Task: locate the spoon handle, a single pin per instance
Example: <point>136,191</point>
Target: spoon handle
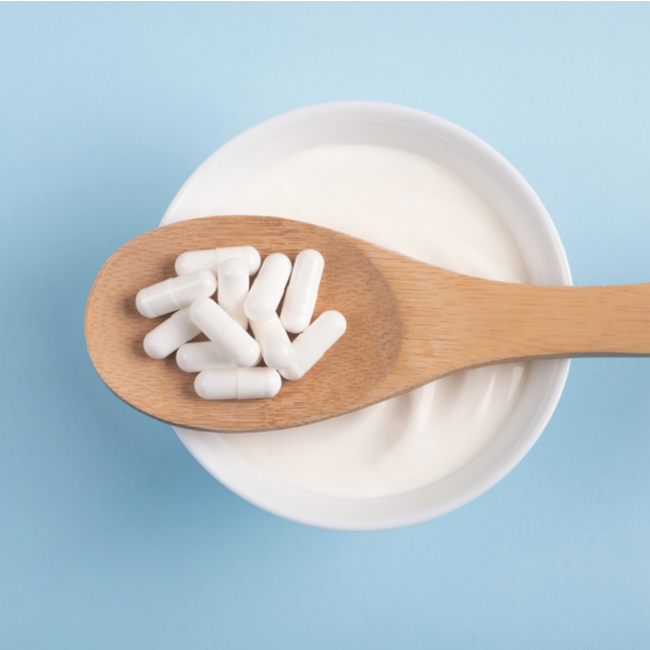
<point>515,322</point>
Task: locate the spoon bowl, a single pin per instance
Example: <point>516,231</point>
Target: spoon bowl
<point>409,323</point>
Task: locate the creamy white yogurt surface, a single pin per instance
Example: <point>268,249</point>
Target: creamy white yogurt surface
<point>412,205</point>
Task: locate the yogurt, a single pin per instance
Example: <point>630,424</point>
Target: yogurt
<point>412,205</point>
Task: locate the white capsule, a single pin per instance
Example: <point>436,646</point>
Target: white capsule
<point>302,292</point>
<point>314,342</point>
<point>238,345</point>
<point>161,341</point>
<point>238,383</point>
<point>204,355</point>
<point>277,350</point>
<point>265,294</point>
<point>233,284</point>
<point>212,258</point>
<point>175,293</point>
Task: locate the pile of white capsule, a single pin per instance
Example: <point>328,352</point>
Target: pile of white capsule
<point>227,364</point>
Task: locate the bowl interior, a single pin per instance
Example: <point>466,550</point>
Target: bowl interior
<point>491,176</point>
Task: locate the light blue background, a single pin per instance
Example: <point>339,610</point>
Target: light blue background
<point>111,535</point>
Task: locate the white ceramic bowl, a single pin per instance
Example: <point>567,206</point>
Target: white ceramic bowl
<point>495,179</point>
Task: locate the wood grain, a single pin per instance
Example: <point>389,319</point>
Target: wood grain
<point>408,324</point>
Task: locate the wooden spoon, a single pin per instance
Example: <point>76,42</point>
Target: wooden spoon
<point>408,324</point>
